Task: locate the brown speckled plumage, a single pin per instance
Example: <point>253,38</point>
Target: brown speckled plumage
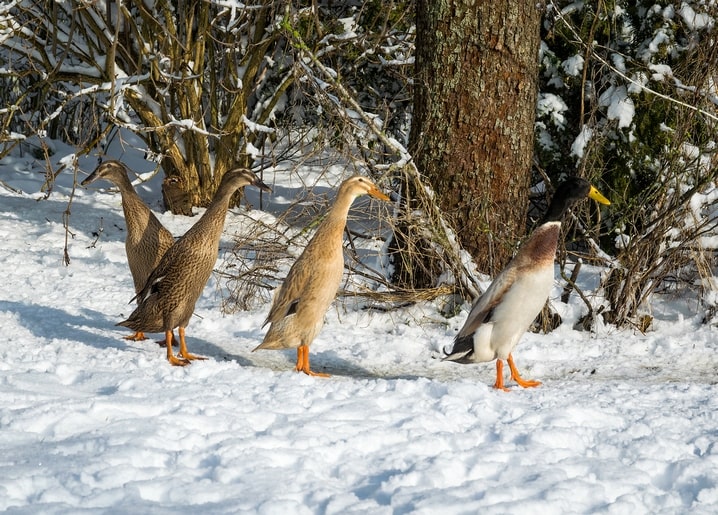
<point>167,299</point>
<point>297,313</point>
<point>147,240</point>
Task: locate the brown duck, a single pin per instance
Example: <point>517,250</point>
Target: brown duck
<point>147,240</point>
<point>167,299</point>
<point>297,313</point>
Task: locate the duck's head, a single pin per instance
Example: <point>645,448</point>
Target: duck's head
<point>238,177</point>
<point>568,193</point>
<point>359,185</point>
<point>111,170</point>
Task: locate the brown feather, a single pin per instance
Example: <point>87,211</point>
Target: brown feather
<point>168,297</point>
<point>147,239</point>
<point>313,280</point>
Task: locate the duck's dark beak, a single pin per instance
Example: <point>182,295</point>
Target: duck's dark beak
<point>259,184</point>
<point>90,178</point>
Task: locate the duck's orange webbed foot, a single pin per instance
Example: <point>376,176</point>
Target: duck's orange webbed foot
<point>174,360</point>
<point>525,383</point>
<point>183,352</point>
<point>499,384</point>
<point>192,357</point>
<point>303,363</point>
<point>177,362</point>
<point>136,337</point>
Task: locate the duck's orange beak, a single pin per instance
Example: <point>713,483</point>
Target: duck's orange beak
<point>377,193</point>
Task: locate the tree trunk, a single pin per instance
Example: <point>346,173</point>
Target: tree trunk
<point>474,107</point>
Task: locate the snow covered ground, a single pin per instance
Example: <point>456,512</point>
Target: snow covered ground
<point>91,423</point>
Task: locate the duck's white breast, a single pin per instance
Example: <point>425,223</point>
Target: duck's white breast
<point>518,309</point>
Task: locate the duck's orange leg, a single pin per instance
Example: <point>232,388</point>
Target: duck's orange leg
<point>300,358</point>
<point>137,337</point>
<point>178,362</point>
<point>526,383</point>
<point>499,384</point>
<point>183,347</point>
<point>303,362</point>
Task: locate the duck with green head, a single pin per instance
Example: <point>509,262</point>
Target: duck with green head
<point>516,296</point>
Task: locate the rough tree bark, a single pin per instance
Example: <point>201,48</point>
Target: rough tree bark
<point>473,128</point>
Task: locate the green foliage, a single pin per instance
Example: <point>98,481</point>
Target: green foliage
<point>636,77</point>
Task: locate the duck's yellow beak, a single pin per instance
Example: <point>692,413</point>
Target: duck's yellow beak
<point>596,195</point>
<point>377,193</point>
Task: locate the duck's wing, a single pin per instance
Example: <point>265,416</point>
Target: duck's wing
<point>154,281</point>
<point>290,294</point>
<point>483,308</point>
<point>481,313</point>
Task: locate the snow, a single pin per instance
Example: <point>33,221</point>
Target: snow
<point>256,127</point>
<point>621,241</point>
<point>553,107</point>
<point>694,20</point>
<point>620,105</point>
<point>637,83</point>
<point>660,72</point>
<point>573,66</point>
<point>624,422</point>
<point>578,148</point>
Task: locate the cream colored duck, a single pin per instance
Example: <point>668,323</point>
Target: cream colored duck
<point>513,300</point>
<point>147,240</point>
<point>167,299</point>
<point>297,313</point>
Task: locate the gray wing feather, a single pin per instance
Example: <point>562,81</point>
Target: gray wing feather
<point>483,308</point>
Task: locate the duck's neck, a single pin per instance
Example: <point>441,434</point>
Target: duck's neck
<point>130,198</point>
<point>217,211</point>
<point>556,210</point>
<point>333,225</point>
<point>212,222</point>
<point>136,212</point>
<point>541,245</point>
<point>122,181</point>
<point>340,209</point>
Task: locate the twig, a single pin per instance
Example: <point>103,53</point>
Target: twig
<point>571,282</point>
<point>66,218</point>
<point>97,235</point>
<point>10,188</point>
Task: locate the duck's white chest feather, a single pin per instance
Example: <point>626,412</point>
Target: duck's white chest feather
<point>520,305</point>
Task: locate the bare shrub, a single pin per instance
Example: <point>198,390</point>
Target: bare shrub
<point>199,83</point>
